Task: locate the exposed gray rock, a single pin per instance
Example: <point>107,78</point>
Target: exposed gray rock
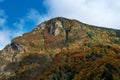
<point>13,50</point>
<point>40,27</point>
<point>58,25</point>
<point>10,53</point>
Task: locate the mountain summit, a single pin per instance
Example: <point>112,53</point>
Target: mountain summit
<point>63,49</point>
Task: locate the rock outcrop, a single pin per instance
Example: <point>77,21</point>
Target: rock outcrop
<point>11,53</point>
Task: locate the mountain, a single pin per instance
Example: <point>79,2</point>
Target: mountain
<point>63,49</point>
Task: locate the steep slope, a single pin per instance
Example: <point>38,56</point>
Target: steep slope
<point>63,49</point>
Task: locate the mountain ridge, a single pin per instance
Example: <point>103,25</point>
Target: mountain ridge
<point>57,45</point>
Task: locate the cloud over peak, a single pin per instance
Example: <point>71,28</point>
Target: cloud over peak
<point>3,18</point>
<point>96,12</point>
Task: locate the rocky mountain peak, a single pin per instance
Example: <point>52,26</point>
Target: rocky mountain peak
<point>55,27</point>
<point>61,48</point>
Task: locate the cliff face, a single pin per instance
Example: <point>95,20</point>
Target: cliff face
<point>62,49</point>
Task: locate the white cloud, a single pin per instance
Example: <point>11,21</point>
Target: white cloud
<point>4,32</point>
<point>96,12</point>
<point>3,18</point>
<point>34,16</point>
<point>2,22</point>
<point>2,13</point>
<point>19,25</point>
<point>4,38</point>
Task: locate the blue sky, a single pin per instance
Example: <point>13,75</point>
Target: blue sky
<point>20,16</point>
<point>18,9</point>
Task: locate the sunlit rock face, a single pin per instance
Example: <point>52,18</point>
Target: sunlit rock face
<point>58,26</point>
